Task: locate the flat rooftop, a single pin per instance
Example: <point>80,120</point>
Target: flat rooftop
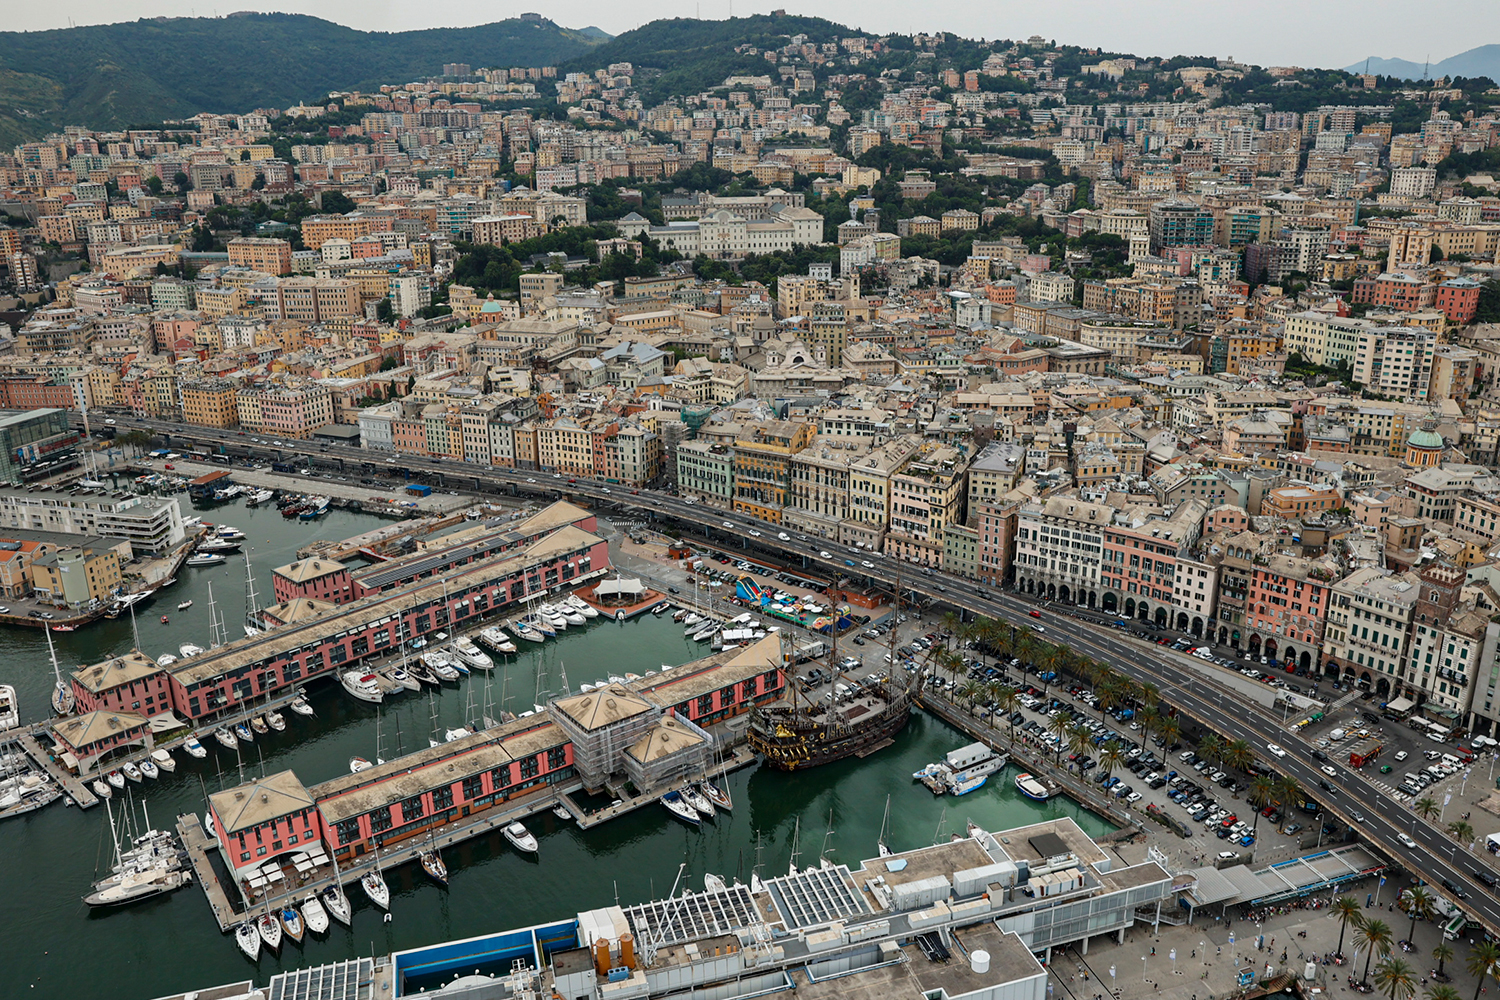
<point>1010,961</point>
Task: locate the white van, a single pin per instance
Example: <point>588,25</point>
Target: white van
<point>1336,735</point>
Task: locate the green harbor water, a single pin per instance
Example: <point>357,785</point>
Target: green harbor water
<point>53,946</point>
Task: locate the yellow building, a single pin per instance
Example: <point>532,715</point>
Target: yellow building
<point>77,576</point>
<point>762,466</point>
<point>210,402</point>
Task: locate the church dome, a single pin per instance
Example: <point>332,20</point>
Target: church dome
<point>1425,439</point>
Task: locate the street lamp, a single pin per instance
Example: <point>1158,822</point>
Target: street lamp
<point>1143,968</point>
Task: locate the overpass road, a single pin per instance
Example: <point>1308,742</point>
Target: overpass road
<point>1188,684</point>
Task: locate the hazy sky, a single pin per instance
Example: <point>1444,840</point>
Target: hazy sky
<point>1269,32</point>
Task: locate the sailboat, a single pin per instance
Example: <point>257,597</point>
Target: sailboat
<point>358,764</point>
<point>62,694</point>
<point>291,921</point>
<point>432,864</point>
<point>796,846</point>
<point>677,806</point>
<point>696,799</point>
<point>270,930</point>
<point>373,883</point>
<point>334,898</point>
<point>248,938</point>
<point>880,844</point>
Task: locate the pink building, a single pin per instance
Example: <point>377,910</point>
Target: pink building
<point>1286,607</point>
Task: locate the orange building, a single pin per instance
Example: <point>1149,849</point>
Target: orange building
<point>267,255</point>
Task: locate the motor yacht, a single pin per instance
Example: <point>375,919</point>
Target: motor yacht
<point>363,685</point>
<point>520,837</point>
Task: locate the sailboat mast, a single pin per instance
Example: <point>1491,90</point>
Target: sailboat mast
<point>252,599</point>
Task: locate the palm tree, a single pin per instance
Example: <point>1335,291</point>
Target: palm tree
<point>1443,953</point>
<point>1150,694</point>
<point>1108,693</point>
<point>1346,911</point>
<point>1461,831</point>
<point>1481,963</point>
<point>1395,979</point>
<point>1079,739</point>
<point>1211,748</point>
<point>1261,790</point>
<point>1147,717</point>
<point>1427,808</point>
<point>1238,754</point>
<point>1010,703</point>
<point>970,692</point>
<point>1168,729</point>
<point>1112,756</point>
<point>1058,726</point>
<point>1416,902</point>
<point>1288,791</point>
<point>1373,936</point>
<point>1442,992</point>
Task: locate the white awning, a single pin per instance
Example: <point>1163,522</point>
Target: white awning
<point>1400,705</point>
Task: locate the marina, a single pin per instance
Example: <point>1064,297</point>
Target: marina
<point>626,839</point>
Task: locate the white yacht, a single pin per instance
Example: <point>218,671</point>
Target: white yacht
<point>10,711</point>
<point>520,837</point>
<point>194,748</point>
<point>497,640</point>
<point>162,758</point>
<point>466,651</point>
<point>362,685</point>
<point>166,659</point>
<point>572,614</point>
<point>226,738</point>
<point>188,650</point>
<point>206,559</point>
<point>301,707</point>
<point>149,769</point>
<point>581,606</point>
<point>314,915</point>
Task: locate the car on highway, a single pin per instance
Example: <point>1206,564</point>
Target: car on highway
<point>1273,748</point>
<point>1328,770</point>
<point>821,555</point>
<point>1406,841</point>
<point>1357,816</point>
<point>1451,887</point>
<point>867,564</point>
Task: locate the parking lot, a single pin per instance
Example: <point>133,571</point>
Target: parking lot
<point>1141,770</point>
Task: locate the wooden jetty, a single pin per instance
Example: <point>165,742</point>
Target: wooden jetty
<point>75,789</point>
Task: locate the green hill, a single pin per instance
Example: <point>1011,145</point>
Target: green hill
<point>112,75</point>
<point>684,55</point>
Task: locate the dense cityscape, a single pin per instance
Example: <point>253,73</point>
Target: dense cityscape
<point>1035,397</point>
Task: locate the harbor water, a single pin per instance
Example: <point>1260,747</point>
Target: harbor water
<point>54,946</point>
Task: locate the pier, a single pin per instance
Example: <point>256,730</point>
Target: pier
<point>230,911</point>
<point>76,790</point>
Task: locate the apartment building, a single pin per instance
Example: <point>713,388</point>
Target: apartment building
<point>270,256</point>
<point>1059,552</point>
<point>870,491</point>
<point>1137,573</point>
<point>209,402</point>
<point>819,500</point>
<point>705,470</point>
<point>1396,361</point>
<point>316,300</point>
<point>927,494</point>
<point>1286,608</point>
<point>762,466</point>
<point>1369,627</point>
